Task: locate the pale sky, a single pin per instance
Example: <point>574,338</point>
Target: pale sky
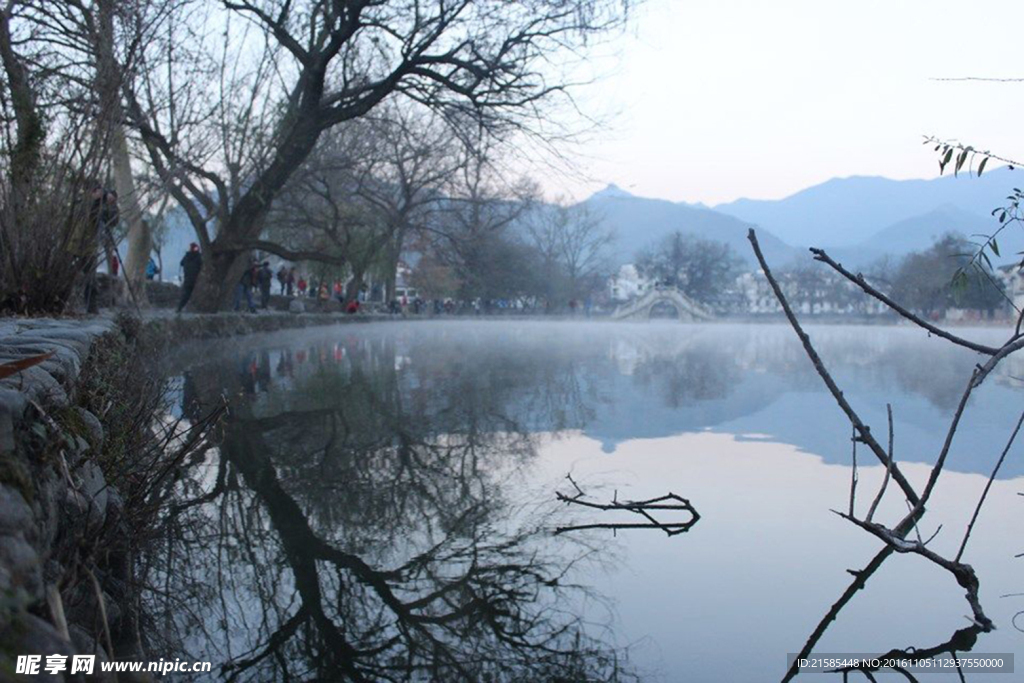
<point>719,99</point>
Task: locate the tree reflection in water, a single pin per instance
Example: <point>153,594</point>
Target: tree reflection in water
<point>346,531</point>
<point>362,519</point>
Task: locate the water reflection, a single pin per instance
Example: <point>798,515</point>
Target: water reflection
<point>367,517</point>
<point>351,529</point>
<point>617,383</point>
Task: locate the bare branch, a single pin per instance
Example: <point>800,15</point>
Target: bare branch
<point>820,255</point>
<point>988,485</point>
<point>863,431</point>
<point>888,468</point>
<point>963,573</point>
<point>640,507</point>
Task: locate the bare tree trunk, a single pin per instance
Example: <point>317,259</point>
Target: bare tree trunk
<point>217,280</point>
<point>245,222</point>
<point>25,156</point>
<point>353,286</point>
<point>108,76</point>
<point>140,242</point>
<point>394,254</point>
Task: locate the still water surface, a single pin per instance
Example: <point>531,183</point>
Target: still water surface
<point>382,501</point>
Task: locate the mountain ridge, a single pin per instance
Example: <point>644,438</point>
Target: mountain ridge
<point>856,208</point>
<point>866,217</point>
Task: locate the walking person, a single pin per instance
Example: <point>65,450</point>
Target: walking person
<point>265,278</point>
<point>282,278</point>
<point>290,282</point>
<point>191,264</point>
<point>244,287</point>
<point>93,230</point>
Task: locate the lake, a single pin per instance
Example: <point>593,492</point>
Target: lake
<point>381,502</point>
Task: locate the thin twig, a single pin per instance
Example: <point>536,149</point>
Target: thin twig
<point>888,467</point>
<point>980,79</point>
<point>910,516</point>
<point>932,537</point>
<point>918,509</point>
<point>988,485</point>
<point>853,472</point>
<point>572,481</point>
<point>103,615</point>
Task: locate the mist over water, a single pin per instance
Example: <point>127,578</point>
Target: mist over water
<point>395,452</point>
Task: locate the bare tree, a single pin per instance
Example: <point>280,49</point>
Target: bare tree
<point>474,230</point>
<point>366,187</point>
<point>702,268</point>
<point>53,145</point>
<point>26,152</point>
<point>88,52</point>
<point>319,209</point>
<point>403,182</point>
<point>294,70</point>
<point>574,242</point>
<point>943,276</point>
<point>110,72</point>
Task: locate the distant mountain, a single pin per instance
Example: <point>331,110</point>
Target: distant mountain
<point>613,191</point>
<point>919,233</point>
<point>849,211</point>
<point>640,223</point>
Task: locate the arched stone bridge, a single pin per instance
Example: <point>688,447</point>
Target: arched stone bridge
<point>687,309</point>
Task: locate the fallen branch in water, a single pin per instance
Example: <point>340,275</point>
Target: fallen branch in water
<point>669,501</point>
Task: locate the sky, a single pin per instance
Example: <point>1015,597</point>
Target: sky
<point>712,100</point>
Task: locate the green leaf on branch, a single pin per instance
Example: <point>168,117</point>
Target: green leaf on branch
<point>959,284</point>
<point>945,159</point>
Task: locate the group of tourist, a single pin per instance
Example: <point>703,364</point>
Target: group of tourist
<point>257,280</point>
<point>254,286</point>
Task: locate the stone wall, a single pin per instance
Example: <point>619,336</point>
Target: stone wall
<point>54,499</point>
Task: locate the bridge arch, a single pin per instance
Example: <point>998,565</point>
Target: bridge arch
<point>641,307</point>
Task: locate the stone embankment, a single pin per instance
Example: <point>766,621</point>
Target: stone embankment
<point>53,495</point>
<point>63,587</point>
